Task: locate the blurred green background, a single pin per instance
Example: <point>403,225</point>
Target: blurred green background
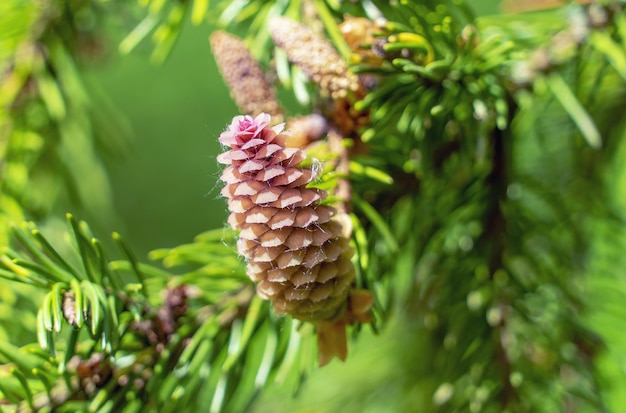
<point>165,190</point>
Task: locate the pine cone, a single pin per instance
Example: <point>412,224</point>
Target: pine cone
<point>295,246</point>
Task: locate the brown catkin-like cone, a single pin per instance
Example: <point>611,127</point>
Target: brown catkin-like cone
<point>296,248</point>
<point>315,56</point>
<point>248,85</point>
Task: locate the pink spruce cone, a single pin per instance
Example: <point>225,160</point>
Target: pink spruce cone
<point>295,248</point>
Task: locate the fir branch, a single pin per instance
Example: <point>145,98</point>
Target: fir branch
<point>157,354</point>
<point>481,193</point>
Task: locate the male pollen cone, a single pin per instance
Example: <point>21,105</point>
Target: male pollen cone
<point>315,56</point>
<point>244,77</point>
<point>296,249</point>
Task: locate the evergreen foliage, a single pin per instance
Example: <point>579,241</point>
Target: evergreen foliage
<point>485,160</point>
<point>54,130</point>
